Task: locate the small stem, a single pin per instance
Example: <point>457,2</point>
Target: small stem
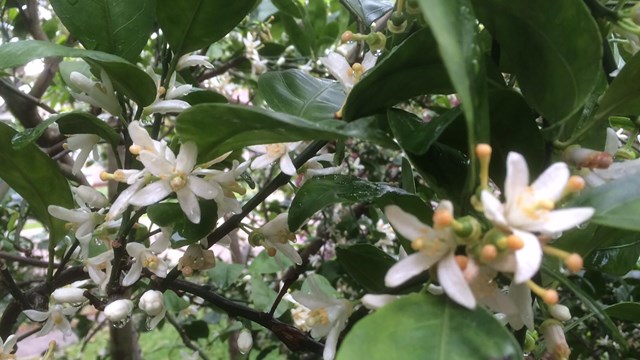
<point>185,338</point>
<point>66,258</point>
<point>24,260</point>
<point>13,288</point>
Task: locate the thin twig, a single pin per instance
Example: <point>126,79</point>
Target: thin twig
<point>66,258</point>
<point>23,260</point>
<point>15,291</point>
<point>93,333</point>
<point>185,338</point>
<point>222,68</point>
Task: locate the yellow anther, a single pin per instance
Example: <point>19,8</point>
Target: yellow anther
<point>483,151</point>
<point>462,261</point>
<point>575,183</point>
<point>549,296</point>
<point>574,262</point>
<point>151,262</point>
<point>105,176</point>
<point>418,244</point>
<point>178,182</point>
<point>161,91</point>
<point>489,253</point>
<point>346,36</point>
<point>135,149</point>
<point>65,146</point>
<point>276,150</point>
<point>318,316</point>
<point>271,252</point>
<point>442,218</point>
<point>358,70</point>
<point>546,205</point>
<point>514,242</point>
<point>187,271</point>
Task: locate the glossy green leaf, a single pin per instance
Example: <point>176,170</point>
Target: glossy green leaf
<point>625,311</point>
<point>444,168</point>
<point>320,192</point>
<point>513,128</point>
<point>617,203</point>
<point>173,302</point>
<point>402,74</point>
<point>78,122</point>
<point>290,7</point>
<point>618,258</point>
<point>590,303</point>
<point>623,95</point>
<point>204,97</point>
<point>169,213</point>
<point>428,328</point>
<point>225,274</point>
<point>190,25</point>
<point>263,297</point>
<point>119,27</point>
<point>408,180</point>
<point>366,264</point>
<point>368,11</point>
<point>413,134</point>
<point>300,33</point>
<point>555,75</point>
<point>455,29</point>
<point>297,93</point>
<point>126,77</point>
<point>37,178</point>
<point>29,136</point>
<point>218,128</point>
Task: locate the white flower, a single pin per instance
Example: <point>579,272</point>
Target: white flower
<point>189,60</point>
<point>314,167</point>
<point>328,316</point>
<point>432,246</point>
<point>118,310</point>
<point>88,197</point>
<point>85,143</point>
<point>71,295</point>
<point>167,107</point>
<point>56,317</point>
<point>554,338</point>
<point>6,347</point>
<point>275,236</point>
<point>83,220</point>
<point>228,186</point>
<point>376,301</point>
<point>146,258</point>
<point>343,72</point>
<point>245,341</point>
<point>273,152</point>
<point>152,303</point>
<point>98,94</point>
<point>530,209</point>
<point>99,269</point>
<point>175,175</point>
<point>168,104</point>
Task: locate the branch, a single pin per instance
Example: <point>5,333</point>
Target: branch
<point>292,337</point>
<point>233,222</point>
<point>33,21</point>
<point>119,252</point>
<point>15,291</point>
<point>222,68</point>
<point>23,260</point>
<point>185,338</point>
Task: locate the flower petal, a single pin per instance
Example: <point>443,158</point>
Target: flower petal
<point>187,157</point>
<point>203,188</point>
<point>151,193</point>
<point>135,249</point>
<point>551,183</point>
<point>286,165</point>
<point>409,267</point>
<point>521,296</point>
<point>140,136</point>
<point>36,315</point>
<point>189,204</point>
<point>452,280</point>
<point>406,224</point>
<point>493,208</point>
<point>289,251</point>
<point>74,216</point>
<point>262,161</point>
<point>564,219</point>
<point>331,343</point>
<point>528,258</point>
<point>134,274</point>
<point>517,177</point>
<point>375,301</point>
<point>157,164</point>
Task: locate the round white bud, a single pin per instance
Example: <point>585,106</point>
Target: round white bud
<point>68,295</point>
<point>118,310</point>
<point>152,302</point>
<point>245,341</point>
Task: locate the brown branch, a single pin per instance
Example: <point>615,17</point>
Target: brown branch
<point>185,338</point>
<point>7,279</point>
<point>23,260</point>
<point>222,68</point>
<point>33,21</point>
<point>292,337</point>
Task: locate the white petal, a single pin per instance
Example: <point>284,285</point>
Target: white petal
<point>261,149</point>
<point>157,164</point>
<point>521,295</point>
<point>262,161</point>
<point>331,343</point>
<point>369,60</point>
<point>339,68</point>
<point>151,193</point>
<point>289,251</point>
<point>373,302</point>
<point>452,280</point>
<point>528,258</point>
<point>551,183</point>
<point>189,204</point>
<point>187,156</point>
<point>612,142</point>
<point>122,202</point>
<point>9,343</point>
<point>407,225</point>
<point>193,60</point>
<point>167,106</point>
<point>48,326</point>
<point>73,216</point>
<point>140,136</point>
<point>133,275</point>
<point>564,219</point>
<point>517,177</point>
<point>203,188</point>
<point>178,91</point>
<point>135,249</point>
<point>80,160</point>
<point>493,208</point>
<point>409,267</point>
<point>156,319</point>
<point>286,165</point>
<point>36,315</point>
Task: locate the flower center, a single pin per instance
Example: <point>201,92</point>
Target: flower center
<point>151,262</point>
<point>430,246</point>
<point>534,209</point>
<point>57,318</point>
<point>276,150</point>
<point>284,236</point>
<point>178,181</point>
<point>318,316</point>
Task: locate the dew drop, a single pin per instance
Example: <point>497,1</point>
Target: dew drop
<point>120,324</point>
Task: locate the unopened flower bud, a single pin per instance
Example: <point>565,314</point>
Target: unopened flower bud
<point>554,338</point>
<point>626,154</point>
<point>397,24</point>
<point>376,41</point>
<point>560,312</point>
<point>587,158</point>
<point>118,310</point>
<point>152,302</point>
<point>68,295</point>
<point>245,341</point>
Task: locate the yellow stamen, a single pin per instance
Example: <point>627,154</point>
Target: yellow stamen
<point>358,70</point>
<point>442,218</point>
<point>573,261</point>
<point>483,152</point>
<point>271,252</point>
<point>105,176</point>
<point>514,242</point>
<point>462,261</point>
<point>318,316</point>
<point>418,244</point>
<point>346,36</point>
<point>489,253</point>
<point>135,149</point>
<point>549,296</point>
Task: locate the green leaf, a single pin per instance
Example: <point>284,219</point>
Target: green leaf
<point>196,329</point>
<point>590,303</point>
<point>169,213</point>
<point>29,136</point>
<point>619,258</point>
<point>368,11</point>
<point>119,27</point>
<point>625,311</point>
<point>413,134</point>
<point>556,76</point>
<point>366,264</point>
<point>193,24</point>
<point>204,97</point>
<point>617,203</point>
<point>455,28</point>
<point>126,77</point>
<point>263,297</point>
<point>173,302</point>
<point>623,95</point>
<point>37,178</point>
<point>444,168</point>
<point>428,327</point>
<point>265,264</point>
<point>224,274</point>
<point>402,74</point>
<point>408,180</point>
<point>322,191</point>
<point>218,128</point>
<point>296,93</point>
<point>290,7</point>
<point>300,33</point>
<point>78,122</point>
